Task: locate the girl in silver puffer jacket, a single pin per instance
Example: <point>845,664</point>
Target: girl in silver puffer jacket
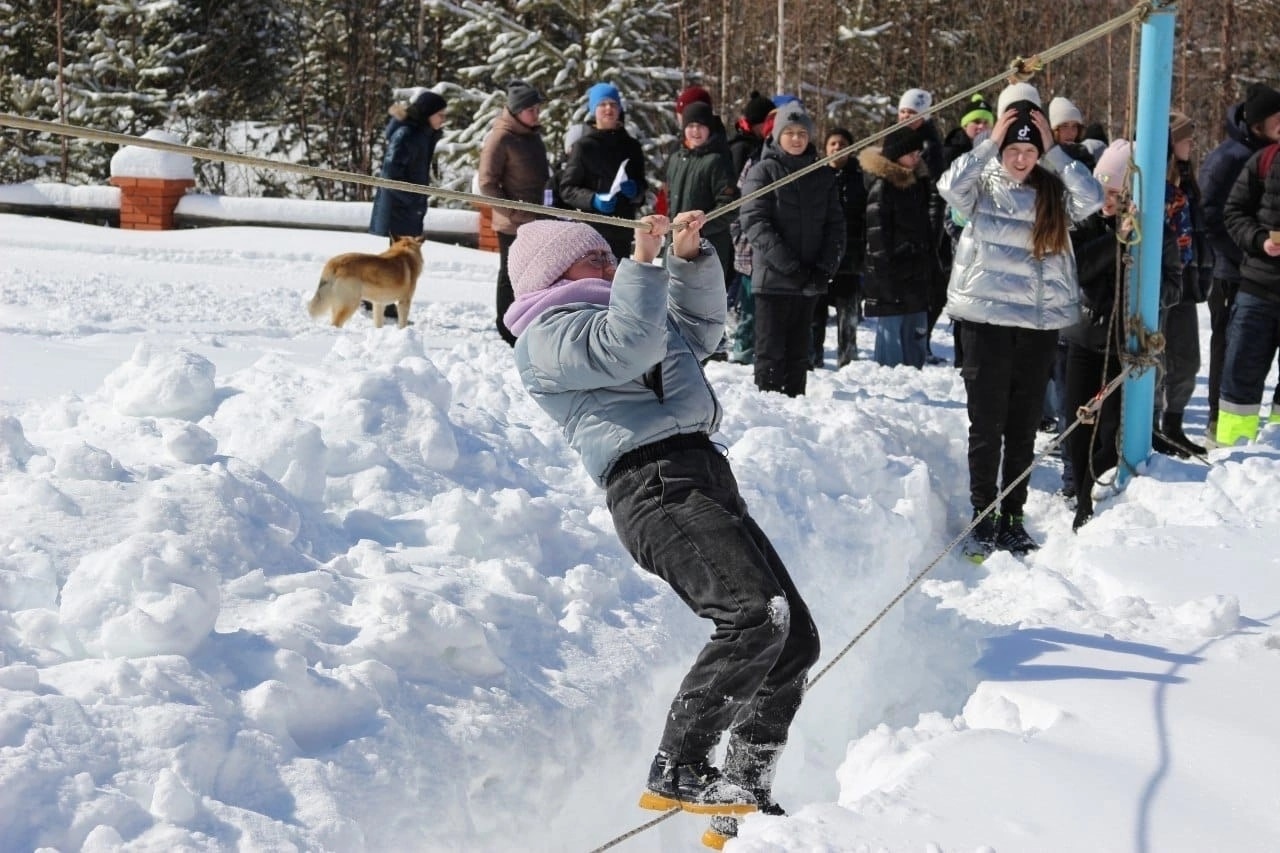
<point>1014,285</point>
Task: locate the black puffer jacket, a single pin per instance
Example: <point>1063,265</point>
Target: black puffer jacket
<point>797,231</point>
<point>1095,243</point>
<point>590,169</point>
<point>902,264</point>
<point>1218,174</point>
<point>853,201</point>
<point>1252,214</point>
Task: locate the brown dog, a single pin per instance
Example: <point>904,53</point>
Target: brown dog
<point>380,279</point>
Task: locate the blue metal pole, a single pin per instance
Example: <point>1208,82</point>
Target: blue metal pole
<point>1151,152</point>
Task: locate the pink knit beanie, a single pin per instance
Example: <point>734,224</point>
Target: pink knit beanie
<point>545,248</point>
<point>1113,165</point>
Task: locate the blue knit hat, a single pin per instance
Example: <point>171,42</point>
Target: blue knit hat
<point>600,92</point>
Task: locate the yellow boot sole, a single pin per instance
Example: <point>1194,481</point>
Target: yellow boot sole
<point>661,803</point>
<point>714,840</point>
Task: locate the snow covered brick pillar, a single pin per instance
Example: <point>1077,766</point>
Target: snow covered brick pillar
<point>488,239</point>
<point>151,183</point>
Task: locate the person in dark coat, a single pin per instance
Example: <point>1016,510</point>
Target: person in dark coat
<point>700,177</point>
<point>412,134</point>
<point>902,267</point>
<point>1180,319</point>
<point>911,105</point>
<point>1249,128</point>
<point>1252,215</point>
<point>797,236</point>
<point>586,182</point>
<point>976,121</point>
<point>1094,343</point>
<point>745,147</point>
<point>845,291</point>
<point>513,164</point>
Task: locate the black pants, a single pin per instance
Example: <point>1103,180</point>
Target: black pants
<point>1181,359</point>
<point>681,518</point>
<point>1222,295</point>
<point>1005,373</point>
<point>782,342</point>
<point>505,293</point>
<point>1091,447</point>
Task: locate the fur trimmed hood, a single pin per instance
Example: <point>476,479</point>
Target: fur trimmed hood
<point>874,163</point>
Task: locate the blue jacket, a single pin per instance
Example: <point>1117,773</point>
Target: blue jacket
<point>1218,174</point>
<point>410,147</point>
<point>621,376</point>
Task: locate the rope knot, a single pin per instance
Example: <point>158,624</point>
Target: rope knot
<point>1022,69</point>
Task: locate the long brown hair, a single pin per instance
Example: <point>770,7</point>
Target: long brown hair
<point>1050,235</point>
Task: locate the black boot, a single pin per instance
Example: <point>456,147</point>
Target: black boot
<point>752,766</point>
<point>696,787</point>
<point>1173,432</point>
<point>1159,444</point>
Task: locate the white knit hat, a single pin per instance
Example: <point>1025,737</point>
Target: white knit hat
<point>545,249</point>
<point>1113,165</point>
<point>915,99</point>
<point>1062,111</point>
<point>1016,92</point>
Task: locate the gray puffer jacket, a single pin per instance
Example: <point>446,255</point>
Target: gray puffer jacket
<point>995,278</point>
<point>619,377</point>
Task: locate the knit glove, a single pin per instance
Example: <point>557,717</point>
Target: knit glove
<point>629,189</point>
<point>603,203</point>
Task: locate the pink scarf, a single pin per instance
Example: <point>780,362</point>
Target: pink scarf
<point>527,307</point>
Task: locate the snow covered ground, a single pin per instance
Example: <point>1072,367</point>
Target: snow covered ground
<point>269,585</point>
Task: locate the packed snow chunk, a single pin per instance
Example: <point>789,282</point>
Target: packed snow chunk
<point>189,443</point>
<point>19,676</point>
<point>134,161</point>
<point>418,633</point>
<point>170,800</point>
<point>995,706</point>
<point>1210,617</point>
<point>317,711</point>
<point>144,596</point>
<point>883,759</point>
<point>28,579</point>
<point>83,461</point>
<point>15,450</point>
<point>177,384</point>
<point>102,839</point>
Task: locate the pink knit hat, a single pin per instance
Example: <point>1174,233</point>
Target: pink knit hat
<point>1113,165</point>
<point>545,248</point>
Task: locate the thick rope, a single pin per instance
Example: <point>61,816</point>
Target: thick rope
<point>1018,68</point>
<point>40,126</point>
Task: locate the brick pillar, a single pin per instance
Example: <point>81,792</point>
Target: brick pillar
<point>488,238</point>
<point>147,204</point>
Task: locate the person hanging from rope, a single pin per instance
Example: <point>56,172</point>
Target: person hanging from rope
<point>1095,343</point>
<point>1013,284</point>
<point>613,352</point>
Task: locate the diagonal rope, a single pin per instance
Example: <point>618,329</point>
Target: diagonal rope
<point>1021,68</point>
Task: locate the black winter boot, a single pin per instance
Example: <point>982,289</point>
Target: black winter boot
<point>981,540</point>
<point>1173,432</point>
<point>1013,537</point>
<point>694,787</point>
<point>723,828</point>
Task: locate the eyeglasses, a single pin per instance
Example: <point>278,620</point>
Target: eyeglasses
<point>598,259</point>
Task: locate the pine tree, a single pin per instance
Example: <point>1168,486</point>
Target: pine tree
<point>561,48</point>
